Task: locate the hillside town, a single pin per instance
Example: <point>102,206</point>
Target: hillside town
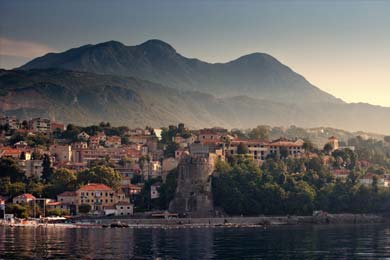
<point>48,168</point>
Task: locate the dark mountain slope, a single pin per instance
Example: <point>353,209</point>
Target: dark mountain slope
<point>85,98</point>
<point>257,75</point>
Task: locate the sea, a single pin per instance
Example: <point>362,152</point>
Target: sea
<point>371,241</point>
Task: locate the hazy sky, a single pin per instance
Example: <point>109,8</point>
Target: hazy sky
<point>343,47</point>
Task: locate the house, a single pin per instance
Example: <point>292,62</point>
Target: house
<point>124,209</point>
<point>40,125</point>
<point>334,142</point>
<point>368,179</point>
<point>113,141</point>
<point>12,122</point>
<point>98,196</point>
<point>291,148</point>
<point>120,209</point>
<point>209,135</point>
<point>131,189</point>
<point>10,152</point>
<point>54,126</point>
<point>21,145</point>
<point>83,136</point>
<point>67,197</point>
<point>25,198</point>
<point>96,140</point>
<point>258,149</point>
<point>32,168</point>
<point>62,153</point>
<point>91,154</point>
<point>340,173</point>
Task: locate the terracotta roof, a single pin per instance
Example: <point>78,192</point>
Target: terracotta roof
<point>54,203</point>
<point>26,196</point>
<point>252,141</point>
<point>10,151</point>
<point>67,194</point>
<point>95,186</point>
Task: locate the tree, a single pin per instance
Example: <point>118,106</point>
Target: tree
<point>283,152</point>
<point>308,146</point>
<point>260,132</point>
<point>47,170</point>
<point>387,139</point>
<point>20,211</point>
<point>170,149</point>
<point>61,180</point>
<point>242,148</point>
<point>10,168</point>
<point>328,148</point>
<point>100,174</point>
<point>167,190</point>
<point>84,208</point>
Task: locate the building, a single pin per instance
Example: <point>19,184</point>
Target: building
<point>98,196</point>
<point>12,122</point>
<point>341,173</point>
<point>124,209</point>
<point>62,153</point>
<point>334,142</point>
<point>96,140</point>
<point>113,141</point>
<point>40,125</point>
<point>10,152</point>
<point>291,148</point>
<point>83,136</point>
<point>25,198</point>
<point>32,168</point>
<point>368,179</point>
<point>258,149</point>
<point>54,126</point>
<point>67,197</point>
<point>91,154</point>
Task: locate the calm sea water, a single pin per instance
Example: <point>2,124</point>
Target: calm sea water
<point>293,242</point>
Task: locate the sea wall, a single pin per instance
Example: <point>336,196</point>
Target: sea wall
<point>261,220</point>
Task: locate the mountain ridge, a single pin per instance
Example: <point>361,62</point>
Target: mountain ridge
<point>258,74</point>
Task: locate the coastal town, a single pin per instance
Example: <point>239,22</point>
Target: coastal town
<point>49,169</point>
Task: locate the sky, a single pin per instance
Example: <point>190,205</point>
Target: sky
<point>342,47</point>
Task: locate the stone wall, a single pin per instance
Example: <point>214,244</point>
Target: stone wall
<point>193,193</point>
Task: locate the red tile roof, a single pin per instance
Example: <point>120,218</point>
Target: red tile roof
<point>26,196</point>
<point>95,186</point>
<point>67,194</point>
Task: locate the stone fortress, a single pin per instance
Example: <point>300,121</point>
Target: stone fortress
<point>193,195</point>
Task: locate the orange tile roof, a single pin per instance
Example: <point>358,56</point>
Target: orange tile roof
<point>10,151</point>
<point>68,194</point>
<point>26,196</point>
<point>95,186</point>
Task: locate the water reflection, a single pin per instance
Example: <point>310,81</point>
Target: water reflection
<point>296,242</point>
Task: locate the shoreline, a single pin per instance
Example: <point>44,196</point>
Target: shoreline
<point>228,222</point>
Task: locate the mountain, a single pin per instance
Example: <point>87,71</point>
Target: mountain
<point>256,75</point>
<point>86,98</point>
